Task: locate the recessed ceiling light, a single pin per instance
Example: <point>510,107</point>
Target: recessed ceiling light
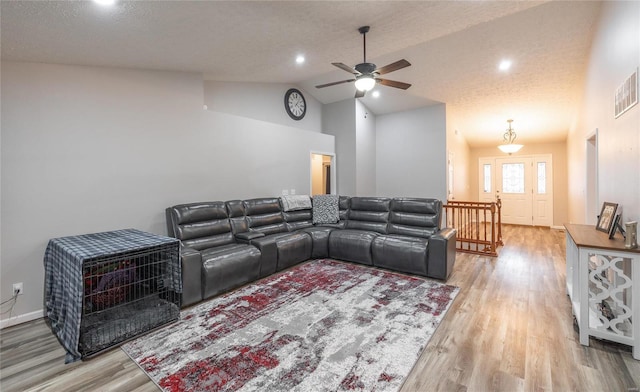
<point>105,2</point>
<point>375,94</point>
<point>505,65</point>
<point>300,59</point>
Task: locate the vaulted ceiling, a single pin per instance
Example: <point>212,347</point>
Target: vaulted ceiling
<point>454,48</point>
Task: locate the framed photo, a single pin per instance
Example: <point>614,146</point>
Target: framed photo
<point>618,226</point>
<point>607,217</point>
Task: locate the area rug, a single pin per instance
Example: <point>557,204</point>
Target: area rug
<point>324,325</point>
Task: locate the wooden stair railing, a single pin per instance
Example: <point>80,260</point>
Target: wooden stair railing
<point>479,225</point>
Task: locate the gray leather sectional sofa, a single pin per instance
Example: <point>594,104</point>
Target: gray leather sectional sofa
<point>228,244</point>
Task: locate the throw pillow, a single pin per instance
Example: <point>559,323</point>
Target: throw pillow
<point>325,209</point>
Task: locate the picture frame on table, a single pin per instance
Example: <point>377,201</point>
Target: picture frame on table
<point>607,216</point>
<point>617,226</point>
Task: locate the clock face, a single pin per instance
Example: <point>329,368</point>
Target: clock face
<point>295,104</point>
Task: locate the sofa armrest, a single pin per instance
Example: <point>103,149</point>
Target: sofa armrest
<point>191,260</point>
<point>442,254</point>
<point>247,236</point>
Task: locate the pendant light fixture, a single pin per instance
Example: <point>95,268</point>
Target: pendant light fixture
<point>508,146</point>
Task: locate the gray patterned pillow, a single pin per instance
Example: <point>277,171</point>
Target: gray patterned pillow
<point>325,209</point>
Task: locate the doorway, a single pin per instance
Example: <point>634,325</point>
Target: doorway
<point>322,174</point>
<point>591,202</point>
<point>524,184</point>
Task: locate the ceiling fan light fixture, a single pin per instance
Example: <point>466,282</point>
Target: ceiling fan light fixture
<point>509,147</point>
<point>367,74</point>
<point>365,83</point>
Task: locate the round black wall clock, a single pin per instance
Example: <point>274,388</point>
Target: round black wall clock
<point>294,104</point>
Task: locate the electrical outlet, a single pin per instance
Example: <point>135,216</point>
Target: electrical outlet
<point>292,192</point>
<point>17,288</point>
<point>285,192</point>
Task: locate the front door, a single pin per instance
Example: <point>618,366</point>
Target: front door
<point>514,185</point>
<point>524,184</point>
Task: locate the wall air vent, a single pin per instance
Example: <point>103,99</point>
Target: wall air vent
<point>626,95</point>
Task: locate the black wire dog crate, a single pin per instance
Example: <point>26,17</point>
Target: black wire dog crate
<point>124,296</point>
<point>103,289</point>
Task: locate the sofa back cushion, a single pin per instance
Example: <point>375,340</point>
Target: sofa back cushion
<point>416,217</point>
<point>264,215</point>
<point>296,211</point>
<point>200,225</point>
<point>235,209</point>
<point>368,213</point>
<point>343,207</point>
<point>295,220</point>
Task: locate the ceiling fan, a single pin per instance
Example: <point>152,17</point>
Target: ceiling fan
<point>367,74</point>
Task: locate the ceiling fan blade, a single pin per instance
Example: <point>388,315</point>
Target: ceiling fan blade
<point>360,94</point>
<point>393,83</point>
<point>392,67</point>
<point>347,68</point>
<point>334,83</point>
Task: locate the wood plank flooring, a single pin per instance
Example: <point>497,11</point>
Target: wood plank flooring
<point>509,329</point>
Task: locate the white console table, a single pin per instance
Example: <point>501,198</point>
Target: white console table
<point>603,282</point>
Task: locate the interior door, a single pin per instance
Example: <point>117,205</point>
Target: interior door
<point>515,187</point>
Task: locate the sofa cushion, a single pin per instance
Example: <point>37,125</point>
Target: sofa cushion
<point>209,241</point>
<point>227,267</point>
<point>273,246</point>
<point>319,240</point>
<point>352,245</point>
<point>203,229</point>
<point>267,223</point>
<point>344,203</point>
<point>263,205</point>
<point>264,215</point>
<point>199,212</point>
<point>235,208</point>
<point>325,209</point>
<point>200,225</point>
<point>369,213</point>
<point>293,248</point>
<point>370,204</point>
<point>401,253</point>
<point>416,217</point>
<point>296,220</point>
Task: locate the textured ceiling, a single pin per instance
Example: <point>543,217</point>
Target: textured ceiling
<point>454,48</point>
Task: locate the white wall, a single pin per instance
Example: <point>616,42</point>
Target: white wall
<point>365,151</point>
<point>261,101</point>
<point>458,146</point>
<point>411,153</point>
<point>87,149</point>
<point>615,54</point>
<point>338,119</point>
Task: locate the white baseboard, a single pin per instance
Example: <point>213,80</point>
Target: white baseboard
<point>22,318</point>
<point>557,227</point>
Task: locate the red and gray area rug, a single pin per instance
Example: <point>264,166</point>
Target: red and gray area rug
<point>320,326</point>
